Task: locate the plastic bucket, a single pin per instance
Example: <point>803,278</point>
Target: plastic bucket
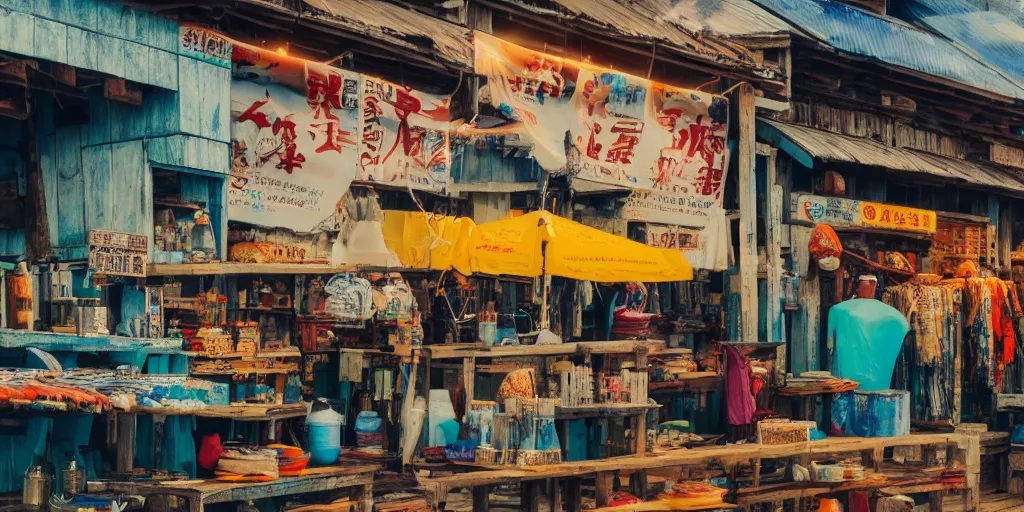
<point>324,443</point>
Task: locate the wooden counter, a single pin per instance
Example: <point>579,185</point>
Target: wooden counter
<point>357,478</point>
<point>965,449</point>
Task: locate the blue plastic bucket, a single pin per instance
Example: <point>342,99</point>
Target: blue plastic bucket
<point>324,443</point>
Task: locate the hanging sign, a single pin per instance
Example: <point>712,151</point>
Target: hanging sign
<point>840,211</point>
<point>294,132</point>
<point>117,254</point>
<point>404,138</point>
<point>667,144</point>
<point>689,174</point>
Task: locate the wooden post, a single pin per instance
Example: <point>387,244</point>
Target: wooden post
<point>573,495</point>
<point>773,248</point>
<point>556,495</point>
<point>365,497</point>
<point>748,215</point>
<point>638,483</point>
<point>37,229</point>
<point>468,379</point>
<point>530,496</point>
<point>603,487</point>
<point>481,498</point>
<point>125,442</point>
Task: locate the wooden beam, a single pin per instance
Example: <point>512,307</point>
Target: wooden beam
<point>37,228</point>
<point>121,90</point>
<point>773,253</point>
<point>482,498</point>
<point>64,74</point>
<point>748,215</point>
<point>125,442</point>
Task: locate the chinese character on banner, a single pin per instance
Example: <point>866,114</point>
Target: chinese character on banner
<point>324,92</point>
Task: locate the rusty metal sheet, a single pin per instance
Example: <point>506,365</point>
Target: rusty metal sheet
<point>833,147</point>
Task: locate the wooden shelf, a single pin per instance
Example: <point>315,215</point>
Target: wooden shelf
<point>274,354</point>
<point>204,492</point>
<point>602,410</point>
<point>240,412</point>
<point>230,268</point>
<point>688,380</point>
<point>743,453</point>
<point>564,349</point>
<point>58,342</point>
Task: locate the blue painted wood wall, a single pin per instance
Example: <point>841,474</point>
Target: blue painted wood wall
<point>12,168</point>
<point>98,175</point>
<point>488,164</point>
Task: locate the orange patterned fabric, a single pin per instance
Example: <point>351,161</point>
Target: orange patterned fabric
<point>825,247</point>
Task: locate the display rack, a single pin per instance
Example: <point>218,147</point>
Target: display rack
<point>634,414</point>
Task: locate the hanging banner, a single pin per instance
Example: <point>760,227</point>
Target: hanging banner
<point>404,138</point>
<point>689,174</point>
<point>843,212</point>
<point>294,133</point>
<point>536,89</point>
<point>614,142</point>
<point>667,144</point>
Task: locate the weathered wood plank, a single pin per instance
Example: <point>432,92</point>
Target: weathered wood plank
<point>189,95</point>
<point>99,200</point>
<point>127,184</point>
<point>163,69</point>
<point>136,62</point>
<point>18,30</point>
<point>748,215</point>
<point>70,188</point>
<point>50,41</point>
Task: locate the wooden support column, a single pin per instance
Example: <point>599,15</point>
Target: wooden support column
<point>773,251</point>
<point>468,379</point>
<point>37,228</point>
<point>125,442</point>
<point>530,495</point>
<point>639,422</point>
<point>638,483</point>
<point>748,215</point>
<point>364,494</point>
<point>556,496</point>
<point>482,498</point>
<point>573,495</point>
<point>604,486</point>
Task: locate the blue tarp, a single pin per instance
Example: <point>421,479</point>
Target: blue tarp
<point>993,36</point>
<point>890,41</point>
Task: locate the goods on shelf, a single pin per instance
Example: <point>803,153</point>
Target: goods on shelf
<point>20,392</point>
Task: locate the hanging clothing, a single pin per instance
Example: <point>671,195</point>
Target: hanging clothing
<point>738,397</point>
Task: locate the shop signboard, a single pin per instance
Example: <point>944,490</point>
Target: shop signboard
<point>117,254</point>
<point>845,212</point>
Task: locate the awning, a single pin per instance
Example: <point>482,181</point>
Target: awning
<point>807,144</point>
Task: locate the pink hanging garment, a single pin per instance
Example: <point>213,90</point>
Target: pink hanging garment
<point>738,399</point>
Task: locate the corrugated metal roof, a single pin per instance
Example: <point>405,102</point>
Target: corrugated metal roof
<point>402,26</point>
<point>699,26</point>
<point>832,147</point>
<point>891,41</point>
<point>993,36</point>
<point>407,30</point>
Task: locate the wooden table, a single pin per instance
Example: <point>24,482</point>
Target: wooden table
<point>358,479</point>
<point>965,450</point>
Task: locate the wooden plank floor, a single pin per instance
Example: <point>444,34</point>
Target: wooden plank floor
<point>991,501</point>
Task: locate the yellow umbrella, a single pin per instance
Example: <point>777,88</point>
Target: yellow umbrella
<point>541,242</point>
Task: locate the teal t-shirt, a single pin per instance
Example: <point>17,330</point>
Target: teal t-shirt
<point>868,336</point>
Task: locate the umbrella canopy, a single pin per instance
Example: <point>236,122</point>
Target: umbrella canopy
<point>530,244</point>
